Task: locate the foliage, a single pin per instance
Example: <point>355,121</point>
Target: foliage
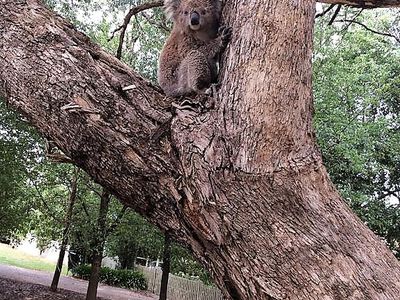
<point>99,19</point>
<point>134,237</point>
<point>356,88</point>
<point>19,152</point>
<point>183,264</point>
<point>131,279</point>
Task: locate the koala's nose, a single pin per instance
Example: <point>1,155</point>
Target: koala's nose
<point>194,18</point>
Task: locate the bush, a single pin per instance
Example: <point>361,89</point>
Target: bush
<point>82,272</point>
<point>130,279</point>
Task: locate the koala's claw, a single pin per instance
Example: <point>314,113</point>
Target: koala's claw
<point>212,90</point>
<point>225,32</point>
<point>221,29</point>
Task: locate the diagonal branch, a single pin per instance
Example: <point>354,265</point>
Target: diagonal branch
<point>124,120</point>
<point>335,14</point>
<point>369,29</point>
<point>133,11</point>
<point>117,220</point>
<point>323,13</point>
<point>364,4</point>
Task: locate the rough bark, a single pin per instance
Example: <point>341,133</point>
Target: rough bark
<point>243,185</point>
<point>100,239</point>
<point>67,224</point>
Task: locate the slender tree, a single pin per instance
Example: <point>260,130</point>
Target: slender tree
<point>97,256</point>
<point>166,266</point>
<point>67,224</point>
<point>242,185</point>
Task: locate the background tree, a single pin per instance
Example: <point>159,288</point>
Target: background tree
<point>134,237</point>
<point>67,224</point>
<point>356,88</point>
<point>19,152</point>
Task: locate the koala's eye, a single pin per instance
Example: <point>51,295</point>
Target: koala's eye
<point>203,12</point>
<point>185,12</point>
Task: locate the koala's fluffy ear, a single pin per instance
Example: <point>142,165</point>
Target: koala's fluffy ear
<point>170,7</point>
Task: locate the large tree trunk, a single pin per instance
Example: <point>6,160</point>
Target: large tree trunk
<point>67,224</point>
<point>242,185</point>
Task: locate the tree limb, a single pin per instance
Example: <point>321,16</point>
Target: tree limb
<point>323,13</point>
<point>133,11</point>
<point>335,14</point>
<point>124,121</point>
<point>369,29</point>
<point>365,4</point>
<point>117,220</point>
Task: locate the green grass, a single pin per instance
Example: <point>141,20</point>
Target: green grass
<point>18,258</point>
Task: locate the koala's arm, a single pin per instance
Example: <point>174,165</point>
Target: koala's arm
<point>213,48</point>
<point>168,68</point>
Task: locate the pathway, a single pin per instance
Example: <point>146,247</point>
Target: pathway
<point>70,283</point>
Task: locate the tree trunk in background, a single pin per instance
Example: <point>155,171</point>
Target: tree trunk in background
<point>166,266</point>
<point>99,246</point>
<point>242,185</point>
<point>67,224</point>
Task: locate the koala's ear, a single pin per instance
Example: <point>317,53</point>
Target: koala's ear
<point>170,8</point>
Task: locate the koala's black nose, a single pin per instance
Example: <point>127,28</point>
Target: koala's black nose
<point>194,18</point>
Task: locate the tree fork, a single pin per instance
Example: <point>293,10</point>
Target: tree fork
<point>242,185</point>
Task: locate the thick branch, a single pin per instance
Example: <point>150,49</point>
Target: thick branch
<point>100,114</point>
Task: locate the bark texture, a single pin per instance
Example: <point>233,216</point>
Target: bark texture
<point>242,185</point>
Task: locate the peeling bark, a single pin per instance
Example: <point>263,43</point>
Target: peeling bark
<point>242,185</point>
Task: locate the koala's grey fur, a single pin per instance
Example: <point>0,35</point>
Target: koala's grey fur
<point>188,61</point>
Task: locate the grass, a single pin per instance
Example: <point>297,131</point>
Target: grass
<point>18,258</point>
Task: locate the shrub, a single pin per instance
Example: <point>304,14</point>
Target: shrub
<point>131,279</point>
<point>82,272</point>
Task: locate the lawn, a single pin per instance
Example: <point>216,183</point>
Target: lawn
<point>18,258</point>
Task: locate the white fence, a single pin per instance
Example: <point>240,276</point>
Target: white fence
<point>180,288</point>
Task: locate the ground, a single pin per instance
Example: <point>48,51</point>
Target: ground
<point>11,289</point>
<point>18,283</point>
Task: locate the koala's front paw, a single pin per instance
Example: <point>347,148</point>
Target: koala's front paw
<point>225,32</point>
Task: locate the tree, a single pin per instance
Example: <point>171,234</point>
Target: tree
<point>67,224</point>
<point>356,91</point>
<point>99,246</point>
<point>166,266</point>
<point>243,185</point>
<point>132,238</point>
<point>18,154</point>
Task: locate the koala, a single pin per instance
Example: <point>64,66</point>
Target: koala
<point>188,61</point>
